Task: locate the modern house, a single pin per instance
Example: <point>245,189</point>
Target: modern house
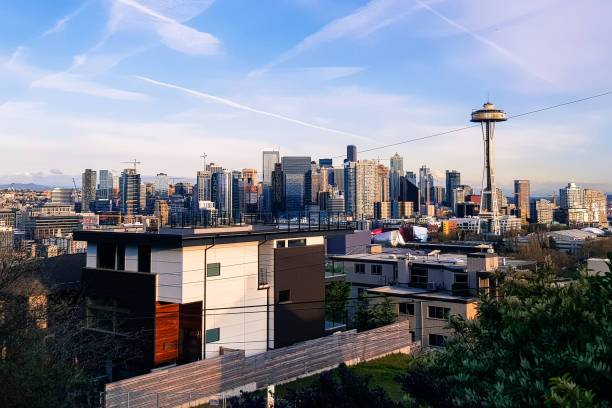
<point>181,295</point>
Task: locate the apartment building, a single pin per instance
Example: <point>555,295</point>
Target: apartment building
<point>187,294</point>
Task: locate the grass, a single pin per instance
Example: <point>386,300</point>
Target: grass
<point>381,370</point>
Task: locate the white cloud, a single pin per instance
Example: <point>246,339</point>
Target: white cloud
<point>364,21</point>
<point>61,23</point>
<point>128,14</point>
<point>79,84</point>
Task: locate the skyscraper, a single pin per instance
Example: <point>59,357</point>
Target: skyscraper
<point>221,192</point>
<point>238,203</point>
<point>384,182</point>
<point>88,188</point>
<point>278,189</point>
<point>270,158</point>
<point>595,204</point>
<point>161,185</point>
<point>361,189</point>
<point>571,196</point>
<point>251,190</point>
<point>105,186</point>
<point>453,180</point>
<point>129,193</point>
<point>294,172</point>
<point>426,183</point>
<point>396,163</point>
<point>351,153</point>
<point>396,170</point>
<point>411,177</point>
<point>522,199</point>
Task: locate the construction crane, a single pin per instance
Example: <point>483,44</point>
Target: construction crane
<point>134,162</point>
<point>76,193</point>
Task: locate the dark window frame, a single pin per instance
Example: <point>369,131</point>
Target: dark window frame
<point>376,269</point>
<point>406,308</point>
<point>299,242</point>
<point>436,340</point>
<point>360,268</point>
<point>419,279</point>
<point>284,296</point>
<point>438,312</point>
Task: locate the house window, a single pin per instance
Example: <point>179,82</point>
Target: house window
<point>359,268</point>
<point>213,335</point>
<point>106,255</point>
<point>296,242</point>
<point>284,296</point>
<point>418,277</point>
<point>412,335</point>
<point>461,278</point>
<point>144,258</point>
<point>104,313</point>
<point>436,340</point>
<point>436,312</point>
<point>376,269</point>
<point>280,244</point>
<point>406,308</point>
<point>213,269</point>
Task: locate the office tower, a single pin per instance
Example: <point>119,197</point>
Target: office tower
<point>116,186</point>
<point>270,158</point>
<point>571,196</point>
<point>161,185</point>
<point>384,182</point>
<point>214,168</point>
<point>129,193</point>
<point>183,188</point>
<point>143,197</point>
<point>351,153</point>
<point>88,189</point>
<point>278,189</point>
<point>294,171</point>
<point>396,163</point>
<point>522,199</point>
<point>361,188</point>
<point>396,170</point>
<point>221,192</point>
<point>202,190</point>
<point>237,195</point>
<point>426,183</point>
<point>459,195</point>
<point>338,178</point>
<point>314,184</point>
<point>542,211</point>
<point>453,180</point>
<point>325,163</point>
<point>411,177</point>
<point>251,190</point>
<point>105,186</point>
<point>438,195</point>
<point>488,116</point>
<point>595,204</point>
<point>409,192</point>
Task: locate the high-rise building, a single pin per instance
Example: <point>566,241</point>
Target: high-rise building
<point>294,171</point>
<point>361,188</point>
<point>351,153</point>
<point>325,162</point>
<point>338,178</point>
<point>453,180</point>
<point>251,190</point>
<point>542,211</point>
<point>221,192</point>
<point>270,158</point>
<point>88,189</point>
<point>238,203</point>
<point>62,196</point>
<point>161,185</point>
<point>409,192</point>
<point>105,186</point>
<point>129,193</point>
<point>202,190</point>
<point>571,196</point>
<point>384,182</point>
<point>595,204</point>
<point>426,184</point>
<point>396,163</point>
<point>411,177</point>
<point>488,116</point>
<point>522,199</point>
<point>438,195</point>
<point>143,197</point>
<point>278,189</point>
<point>214,168</point>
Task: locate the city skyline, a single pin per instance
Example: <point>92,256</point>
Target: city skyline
<point>88,75</point>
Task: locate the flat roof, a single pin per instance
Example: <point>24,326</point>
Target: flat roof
<point>422,294</point>
<point>179,238</point>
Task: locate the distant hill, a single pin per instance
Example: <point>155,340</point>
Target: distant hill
<point>25,186</point>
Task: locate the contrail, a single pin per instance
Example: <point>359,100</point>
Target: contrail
<point>246,108</point>
<point>485,41</point>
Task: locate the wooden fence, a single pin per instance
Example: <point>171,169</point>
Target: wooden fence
<point>198,382</point>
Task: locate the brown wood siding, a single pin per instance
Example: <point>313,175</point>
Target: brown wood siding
<point>166,332</point>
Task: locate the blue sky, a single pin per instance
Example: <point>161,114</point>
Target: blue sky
<point>96,82</point>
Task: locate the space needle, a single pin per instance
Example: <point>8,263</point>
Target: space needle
<point>489,208</point>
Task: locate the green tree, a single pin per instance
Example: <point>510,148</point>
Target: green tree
<point>370,316</point>
<point>532,331</point>
<point>336,299</point>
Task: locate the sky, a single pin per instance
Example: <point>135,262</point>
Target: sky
<point>94,83</point>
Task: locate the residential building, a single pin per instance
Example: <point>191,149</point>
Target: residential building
<point>595,204</point>
<point>393,209</point>
<point>203,187</point>
<point>384,182</point>
<point>438,195</point>
<point>542,211</point>
<point>88,189</point>
<point>105,186</point>
<point>571,196</point>
<point>251,190</point>
<point>129,192</point>
<point>361,188</point>
<point>190,294</point>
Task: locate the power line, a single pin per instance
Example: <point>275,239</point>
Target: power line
<point>473,126</point>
